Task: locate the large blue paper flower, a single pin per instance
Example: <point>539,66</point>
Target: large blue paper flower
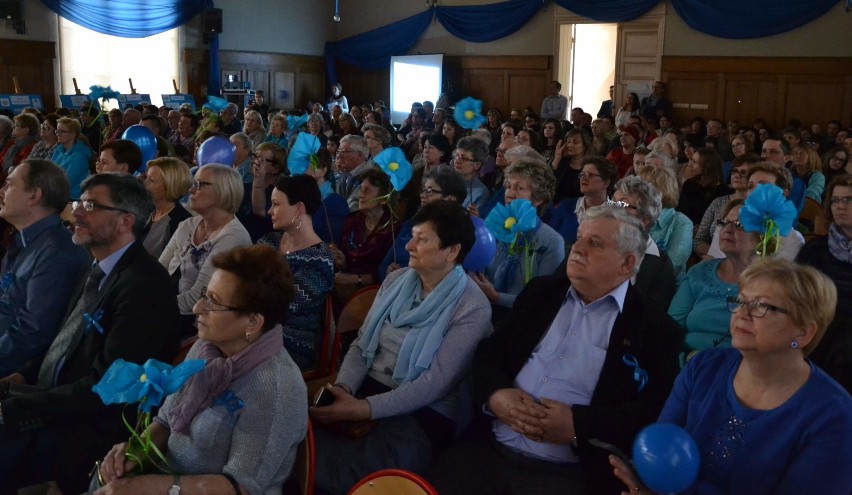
<point>294,122</point>
<point>103,93</point>
<point>392,161</point>
<point>303,149</point>
<point>506,222</point>
<point>768,203</point>
<point>468,113</point>
<point>149,384</point>
<point>215,104</point>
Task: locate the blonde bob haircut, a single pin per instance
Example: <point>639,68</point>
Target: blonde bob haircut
<point>809,295</point>
<point>227,186</point>
<point>663,180</point>
<point>73,124</point>
<point>176,178</point>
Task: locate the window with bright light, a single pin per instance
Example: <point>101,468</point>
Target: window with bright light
<point>99,59</point>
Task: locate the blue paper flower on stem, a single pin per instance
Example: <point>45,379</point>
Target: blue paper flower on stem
<point>507,221</point>
<point>468,113</point>
<point>294,122</point>
<point>216,104</point>
<point>302,153</point>
<point>392,161</point>
<point>149,384</point>
<point>768,212</point>
<point>103,93</point>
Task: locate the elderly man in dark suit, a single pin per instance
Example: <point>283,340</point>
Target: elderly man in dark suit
<point>579,358</point>
<point>124,307</point>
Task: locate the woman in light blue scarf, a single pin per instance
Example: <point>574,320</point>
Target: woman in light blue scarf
<point>406,371</point>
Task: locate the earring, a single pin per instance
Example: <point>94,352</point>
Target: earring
<point>248,337</point>
<point>794,344</point>
<point>294,221</point>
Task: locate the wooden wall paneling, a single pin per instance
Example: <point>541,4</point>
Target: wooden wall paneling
<point>809,101</point>
<point>31,62</point>
<point>744,100</point>
<point>263,71</point>
<point>488,86</point>
<point>527,89</point>
<point>814,90</point>
<point>692,97</point>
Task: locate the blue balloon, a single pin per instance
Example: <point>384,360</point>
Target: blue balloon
<point>145,140</point>
<point>215,150</point>
<point>484,248</point>
<point>666,458</point>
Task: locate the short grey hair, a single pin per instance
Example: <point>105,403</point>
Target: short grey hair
<point>227,186</point>
<point>484,135</point>
<point>650,199</point>
<point>243,139</point>
<point>314,118</point>
<point>381,133</point>
<point>127,194</point>
<point>630,237</point>
<point>232,108</point>
<point>476,146</point>
<point>523,152</point>
<point>356,143</point>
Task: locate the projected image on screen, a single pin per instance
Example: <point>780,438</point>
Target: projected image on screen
<point>413,78</point>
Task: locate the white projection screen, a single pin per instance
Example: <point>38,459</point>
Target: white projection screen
<point>413,78</point>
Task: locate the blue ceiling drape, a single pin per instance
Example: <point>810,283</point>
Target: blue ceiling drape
<point>733,19</point>
<point>742,19</point>
<point>610,10</point>
<point>128,18</point>
<point>484,23</point>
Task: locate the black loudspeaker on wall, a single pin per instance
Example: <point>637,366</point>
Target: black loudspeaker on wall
<point>212,21</point>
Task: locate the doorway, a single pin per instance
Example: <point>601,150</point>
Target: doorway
<point>587,63</point>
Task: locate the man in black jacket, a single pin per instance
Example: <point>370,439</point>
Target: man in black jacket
<point>53,425</point>
<point>578,358</point>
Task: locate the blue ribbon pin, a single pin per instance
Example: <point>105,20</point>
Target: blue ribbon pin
<point>93,321</point>
<point>639,375</point>
<point>6,281</point>
<point>231,402</point>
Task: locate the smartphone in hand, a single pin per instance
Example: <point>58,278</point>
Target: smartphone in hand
<point>325,398</point>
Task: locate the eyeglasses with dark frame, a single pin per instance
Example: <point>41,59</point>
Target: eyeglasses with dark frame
<point>845,200</point>
<point>724,222</point>
<point>755,308</point>
<point>90,206</point>
<point>583,175</point>
<point>428,191</point>
<point>212,306</point>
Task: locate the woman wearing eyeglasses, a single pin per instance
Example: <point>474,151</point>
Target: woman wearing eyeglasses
<point>832,255</point>
<point>597,178</point>
<point>235,426</point>
<point>765,418</point>
<point>439,183</point>
<point>469,156</point>
<point>739,186</point>
<point>214,196</point>
<point>71,154</point>
<point>807,167</point>
<point>699,303</point>
<point>45,147</point>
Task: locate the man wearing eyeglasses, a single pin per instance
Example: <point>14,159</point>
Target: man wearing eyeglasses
<point>41,266</point>
<point>123,307</point>
<point>352,162</point>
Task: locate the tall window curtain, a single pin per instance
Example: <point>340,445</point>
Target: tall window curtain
<point>743,19</point>
<point>128,18</point>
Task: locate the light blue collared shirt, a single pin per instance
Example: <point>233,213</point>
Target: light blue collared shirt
<point>565,365</point>
<point>108,264</point>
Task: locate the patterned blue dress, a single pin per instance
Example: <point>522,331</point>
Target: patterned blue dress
<point>313,276</point>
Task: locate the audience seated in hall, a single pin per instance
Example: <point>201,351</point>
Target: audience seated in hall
<point>57,428</point>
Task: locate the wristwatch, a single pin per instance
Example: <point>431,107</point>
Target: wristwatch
<point>175,488</point>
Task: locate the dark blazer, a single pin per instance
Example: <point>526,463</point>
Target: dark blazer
<point>618,410</point>
<point>140,321</point>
